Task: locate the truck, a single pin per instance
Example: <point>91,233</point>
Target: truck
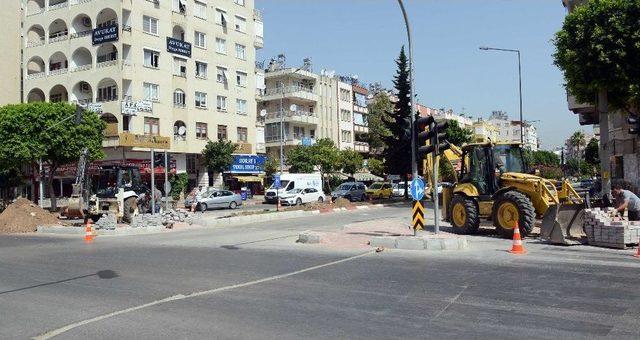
<point>293,181</point>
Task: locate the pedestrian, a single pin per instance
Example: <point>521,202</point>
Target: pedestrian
<point>625,199</point>
<point>195,197</point>
<point>157,195</point>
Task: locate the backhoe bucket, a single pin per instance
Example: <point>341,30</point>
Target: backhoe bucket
<point>74,208</point>
<point>562,223</point>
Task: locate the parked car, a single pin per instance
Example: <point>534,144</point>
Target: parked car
<point>293,181</point>
<point>218,199</point>
<point>380,190</point>
<point>302,196</point>
<point>398,189</point>
<point>353,191</point>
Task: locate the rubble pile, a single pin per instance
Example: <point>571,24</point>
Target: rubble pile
<point>107,222</point>
<point>606,230</point>
<point>167,219</point>
<point>23,216</point>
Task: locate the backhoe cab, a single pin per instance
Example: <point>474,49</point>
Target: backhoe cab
<point>117,192</point>
<point>495,184</point>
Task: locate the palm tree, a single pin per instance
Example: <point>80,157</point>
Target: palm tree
<point>578,140</point>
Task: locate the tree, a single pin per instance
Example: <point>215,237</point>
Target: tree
<point>541,157</point>
<point>597,49</point>
<point>398,151</point>
<point>217,157</point>
<point>179,183</point>
<point>300,159</point>
<point>378,114</point>
<point>270,167</point>
<point>48,132</point>
<point>326,156</point>
<point>591,152</point>
<point>350,161</point>
<point>457,135</point>
<point>376,166</point>
<point>577,140</point>
<point>446,171</point>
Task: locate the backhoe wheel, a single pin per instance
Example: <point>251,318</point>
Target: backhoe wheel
<point>464,215</point>
<point>129,209</point>
<point>510,207</point>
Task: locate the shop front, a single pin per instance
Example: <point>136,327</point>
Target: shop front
<point>246,173</point>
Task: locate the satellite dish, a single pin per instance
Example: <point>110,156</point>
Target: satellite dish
<point>263,113</point>
<point>182,130</point>
<point>293,107</point>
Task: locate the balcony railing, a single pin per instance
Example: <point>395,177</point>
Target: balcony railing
<point>58,71</point>
<point>299,113</point>
<point>36,75</point>
<point>107,63</point>
<point>81,68</point>
<point>34,43</point>
<point>289,138</point>
<point>257,14</point>
<point>36,12</point>
<point>58,36</point>
<point>80,34</point>
<point>288,89</point>
<point>79,2</point>
<point>361,146</point>
<point>59,6</point>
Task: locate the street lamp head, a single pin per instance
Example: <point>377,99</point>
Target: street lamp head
<point>484,48</point>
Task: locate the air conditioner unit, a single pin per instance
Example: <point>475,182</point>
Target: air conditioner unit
<point>85,88</point>
<point>86,22</point>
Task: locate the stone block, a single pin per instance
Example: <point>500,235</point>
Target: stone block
<point>450,244</point>
<point>433,244</point>
<point>410,243</point>
<point>383,241</point>
<point>309,237</point>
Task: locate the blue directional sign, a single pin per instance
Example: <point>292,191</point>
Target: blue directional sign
<point>276,181</point>
<point>417,189</point>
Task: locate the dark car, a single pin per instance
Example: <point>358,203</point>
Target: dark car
<point>353,191</point>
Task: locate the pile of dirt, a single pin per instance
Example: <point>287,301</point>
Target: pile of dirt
<point>23,216</point>
<point>342,203</point>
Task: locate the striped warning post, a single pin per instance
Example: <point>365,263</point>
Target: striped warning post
<point>418,215</point>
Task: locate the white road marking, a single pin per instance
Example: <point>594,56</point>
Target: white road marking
<point>56,332</point>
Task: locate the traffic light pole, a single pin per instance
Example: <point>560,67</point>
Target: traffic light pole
<point>436,210</point>
<point>166,181</point>
<point>153,182</point>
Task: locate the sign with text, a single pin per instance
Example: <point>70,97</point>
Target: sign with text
<point>130,108</point>
<point>144,141</point>
<point>180,47</point>
<point>105,34</point>
<point>247,164</point>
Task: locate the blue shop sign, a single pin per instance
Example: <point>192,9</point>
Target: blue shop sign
<point>105,34</point>
<point>248,164</point>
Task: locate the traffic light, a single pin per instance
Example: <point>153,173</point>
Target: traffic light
<point>433,137</point>
<point>634,124</point>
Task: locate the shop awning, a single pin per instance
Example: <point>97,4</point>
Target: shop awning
<point>249,179</point>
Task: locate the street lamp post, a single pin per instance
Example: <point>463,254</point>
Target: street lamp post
<point>484,48</point>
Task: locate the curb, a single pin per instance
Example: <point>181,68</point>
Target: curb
<point>60,230</point>
<point>420,243</point>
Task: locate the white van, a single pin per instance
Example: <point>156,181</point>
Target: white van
<point>293,181</point>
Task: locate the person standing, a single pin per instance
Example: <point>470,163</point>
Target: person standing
<point>625,199</point>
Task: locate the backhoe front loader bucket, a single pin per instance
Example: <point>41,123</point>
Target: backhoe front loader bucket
<point>562,223</point>
<point>75,205</point>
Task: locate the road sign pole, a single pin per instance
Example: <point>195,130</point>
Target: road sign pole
<point>436,209</point>
<point>166,181</point>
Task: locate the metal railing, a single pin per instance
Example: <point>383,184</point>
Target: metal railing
<point>59,71</point>
<point>81,68</point>
<point>288,89</point>
<point>299,113</point>
<point>80,34</point>
<point>36,12</point>
<point>32,43</point>
<point>60,36</point>
<point>36,75</point>
<point>107,63</point>
<point>59,6</point>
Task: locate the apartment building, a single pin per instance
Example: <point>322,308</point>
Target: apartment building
<point>311,106</point>
<point>510,130</point>
<point>179,69</point>
<point>619,155</point>
<point>11,53</point>
<point>360,117</point>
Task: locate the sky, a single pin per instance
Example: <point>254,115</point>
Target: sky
<point>363,37</point>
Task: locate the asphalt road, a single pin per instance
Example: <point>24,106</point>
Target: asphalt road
<point>255,282</point>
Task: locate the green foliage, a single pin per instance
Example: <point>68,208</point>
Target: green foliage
<point>378,114</point>
<point>325,155</point>
<point>398,143</point>
<point>376,166</point>
<point>573,167</point>
<point>350,161</point>
<point>541,157</point>
<point>271,167</point>
<point>218,156</point>
<point>598,48</point>
<point>179,183</point>
<point>592,152</point>
<point>456,134</point>
<point>550,172</point>
<point>300,159</point>
<point>577,140</point>
<point>446,171</point>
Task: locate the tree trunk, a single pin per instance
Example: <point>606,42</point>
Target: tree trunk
<point>52,194</point>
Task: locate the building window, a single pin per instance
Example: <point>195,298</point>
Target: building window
<point>201,130</point>
<point>151,58</point>
<point>241,24</point>
<point>221,46</point>
<point>222,132</point>
<point>346,136</point>
<point>239,2</point>
<point>345,95</point>
<point>151,126</point>
<point>221,104</point>
<point>241,79</point>
<point>221,17</point>
<point>201,70</point>
<point>241,52</point>
<point>201,100</point>
<point>150,25</point>
<point>242,106</point>
<point>191,163</point>
<point>200,10</point>
<point>179,67</point>
<point>221,75</point>
<point>345,115</point>
<point>151,92</point>
<point>179,98</point>
<point>298,132</point>
<point>200,39</point>
<point>107,93</point>
<point>312,133</point>
<point>242,134</point>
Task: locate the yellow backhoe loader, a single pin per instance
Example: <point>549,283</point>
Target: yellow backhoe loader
<point>494,184</point>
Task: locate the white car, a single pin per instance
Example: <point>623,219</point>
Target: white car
<point>398,189</point>
<point>302,196</point>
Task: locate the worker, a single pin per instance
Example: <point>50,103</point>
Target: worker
<point>625,199</point>
<point>157,195</point>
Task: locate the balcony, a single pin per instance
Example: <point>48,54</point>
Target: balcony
<point>360,128</point>
<point>361,147</point>
<point>300,117</point>
<point>579,107</point>
<point>58,36</point>
<point>289,140</point>
<point>303,93</point>
<point>60,5</point>
<point>258,42</point>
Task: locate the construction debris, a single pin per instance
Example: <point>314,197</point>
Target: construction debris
<point>23,216</point>
<point>167,219</point>
<point>604,229</point>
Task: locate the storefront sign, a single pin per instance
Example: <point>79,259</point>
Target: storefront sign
<point>94,107</point>
<point>248,164</point>
<point>93,168</point>
<point>130,108</point>
<point>106,34</point>
<point>144,141</point>
<point>244,148</point>
<point>180,47</point>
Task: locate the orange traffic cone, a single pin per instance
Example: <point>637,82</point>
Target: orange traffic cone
<point>638,253</point>
<point>88,235</point>
<point>517,248</point>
